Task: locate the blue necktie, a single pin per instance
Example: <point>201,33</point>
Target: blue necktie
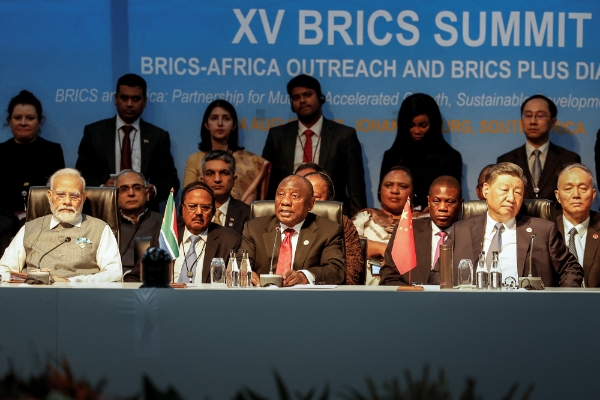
<point>189,265</point>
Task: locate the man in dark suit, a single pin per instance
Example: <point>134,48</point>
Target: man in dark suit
<point>540,159</point>
<point>311,247</point>
<point>199,239</point>
<point>315,139</point>
<point>502,230</point>
<point>444,201</point>
<point>218,172</point>
<point>128,142</point>
<point>577,224</point>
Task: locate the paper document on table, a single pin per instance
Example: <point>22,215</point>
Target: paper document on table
<point>314,287</point>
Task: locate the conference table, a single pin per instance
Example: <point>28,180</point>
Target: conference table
<point>214,341</point>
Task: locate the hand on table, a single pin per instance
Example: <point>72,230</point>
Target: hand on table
<point>292,277</point>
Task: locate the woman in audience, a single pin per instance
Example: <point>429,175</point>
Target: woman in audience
<point>377,225</point>
<point>419,146</point>
<point>26,159</point>
<point>324,190</point>
<point>220,131</point>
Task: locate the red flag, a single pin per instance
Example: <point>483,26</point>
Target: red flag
<point>403,249</point>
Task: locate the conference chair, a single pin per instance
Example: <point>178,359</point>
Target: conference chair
<point>101,203</point>
<point>140,245</point>
<point>539,208</point>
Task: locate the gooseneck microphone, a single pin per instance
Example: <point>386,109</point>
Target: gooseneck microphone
<point>272,279</point>
<point>531,282</point>
<point>43,277</point>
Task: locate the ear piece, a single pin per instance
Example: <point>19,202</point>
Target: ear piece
<point>322,99</point>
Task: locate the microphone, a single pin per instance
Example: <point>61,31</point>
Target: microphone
<point>43,277</point>
<point>531,282</point>
<point>272,279</point>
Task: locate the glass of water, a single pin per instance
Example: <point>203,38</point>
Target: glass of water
<point>217,272</point>
<point>465,274</point>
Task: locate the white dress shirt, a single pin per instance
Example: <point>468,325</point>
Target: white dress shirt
<point>108,257</point>
<point>224,207</point>
<point>294,239</point>
<point>531,158</point>
<point>580,237</point>
<point>435,239</point>
<point>508,250</point>
<point>136,147</point>
<point>184,246</point>
<point>301,139</point>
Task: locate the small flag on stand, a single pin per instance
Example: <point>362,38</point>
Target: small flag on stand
<point>168,229</point>
<point>403,249</point>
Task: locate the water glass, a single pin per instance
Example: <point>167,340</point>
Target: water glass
<point>465,274</point>
<point>217,272</point>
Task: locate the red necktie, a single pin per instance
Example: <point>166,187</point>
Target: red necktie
<point>442,236</point>
<point>284,262</point>
<point>308,151</point>
<point>126,147</point>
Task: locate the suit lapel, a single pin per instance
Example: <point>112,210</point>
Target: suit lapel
<point>109,144</point>
<point>269,239</point>
<point>477,230</point>
<point>523,239</point>
<point>521,161</point>
<point>553,161</point>
<point>210,251</point>
<point>145,146</point>
<point>591,243</point>
<point>306,239</point>
<point>326,142</point>
<point>233,214</point>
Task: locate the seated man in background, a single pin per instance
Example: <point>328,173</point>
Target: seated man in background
<point>481,181</point>
<point>504,230</point>
<point>311,247</point>
<point>308,168</point>
<point>199,239</point>
<point>323,190</point>
<point>444,201</point>
<point>135,219</point>
<point>576,222</point>
<point>70,245</point>
<point>218,172</point>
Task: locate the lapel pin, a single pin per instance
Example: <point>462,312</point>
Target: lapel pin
<point>146,141</point>
<point>230,223</point>
<point>595,236</point>
<point>306,242</point>
<point>529,230</point>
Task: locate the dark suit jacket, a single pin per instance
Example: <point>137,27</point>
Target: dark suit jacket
<point>96,159</point>
<point>238,213</point>
<point>340,155</point>
<point>319,249</point>
<point>552,261</point>
<point>591,255</point>
<point>389,272</point>
<point>558,157</point>
<point>219,242</point>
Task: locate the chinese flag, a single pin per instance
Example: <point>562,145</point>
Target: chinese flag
<point>403,249</point>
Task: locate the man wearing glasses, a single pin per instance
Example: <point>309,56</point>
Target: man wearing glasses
<point>540,159</point>
<point>135,219</point>
<point>71,246</point>
<point>199,239</point>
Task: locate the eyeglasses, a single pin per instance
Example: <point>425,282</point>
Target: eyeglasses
<point>534,116</point>
<point>136,188</point>
<point>205,208</point>
<point>75,196</point>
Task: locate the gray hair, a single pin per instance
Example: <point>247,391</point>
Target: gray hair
<point>127,171</point>
<point>576,165</point>
<point>505,168</point>
<point>66,172</point>
<point>222,155</point>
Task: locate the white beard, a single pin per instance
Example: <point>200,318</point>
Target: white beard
<point>65,216</point>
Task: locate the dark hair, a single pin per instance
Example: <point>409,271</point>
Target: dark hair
<point>448,181</point>
<point>309,165</point>
<point>551,105</point>
<point>205,141</point>
<point>328,182</point>
<point>505,168</point>
<point>25,97</point>
<point>395,168</point>
<point>485,169</point>
<point>155,264</point>
<point>222,155</point>
<point>198,185</point>
<point>415,105</point>
<point>306,81</point>
<point>132,80</point>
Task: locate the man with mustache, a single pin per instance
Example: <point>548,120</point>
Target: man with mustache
<point>71,246</point>
<point>310,247</point>
<point>199,239</point>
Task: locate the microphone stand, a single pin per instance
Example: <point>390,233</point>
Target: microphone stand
<point>531,282</point>
<point>40,277</point>
<point>272,279</point>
